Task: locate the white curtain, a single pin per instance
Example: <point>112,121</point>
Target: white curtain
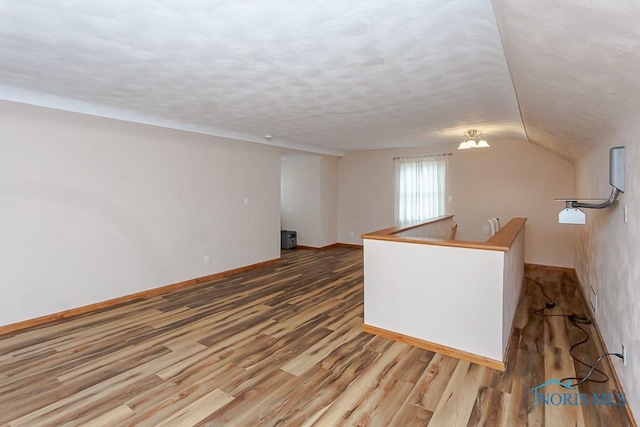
<point>420,188</point>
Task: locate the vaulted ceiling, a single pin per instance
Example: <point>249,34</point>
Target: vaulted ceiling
<point>333,76</point>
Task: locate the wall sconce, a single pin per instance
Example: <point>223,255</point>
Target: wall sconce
<point>571,214</point>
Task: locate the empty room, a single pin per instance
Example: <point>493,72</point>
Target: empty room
<point>339,213</point>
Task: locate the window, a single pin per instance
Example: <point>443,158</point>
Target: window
<point>420,188</point>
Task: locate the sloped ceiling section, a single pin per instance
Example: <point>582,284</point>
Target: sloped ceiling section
<point>330,76</point>
<point>575,65</point>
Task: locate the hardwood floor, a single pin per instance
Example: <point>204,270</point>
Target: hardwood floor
<point>282,345</point>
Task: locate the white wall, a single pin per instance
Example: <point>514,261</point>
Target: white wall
<point>511,179</point>
<point>309,198</point>
<point>513,281</point>
<point>300,201</point>
<point>608,255</point>
<point>329,199</point>
<point>431,293</point>
<point>94,208</point>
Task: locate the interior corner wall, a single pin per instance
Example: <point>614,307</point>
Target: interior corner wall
<point>608,254</point>
<point>329,199</point>
<point>93,208</point>
<point>309,198</point>
<point>510,179</point>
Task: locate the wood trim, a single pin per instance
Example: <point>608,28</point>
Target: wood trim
<point>348,245</point>
<point>324,248</point>
<point>400,228</point>
<point>13,327</point>
<point>438,348</point>
<point>507,234</point>
<point>610,366</point>
<point>501,241</point>
<point>316,248</point>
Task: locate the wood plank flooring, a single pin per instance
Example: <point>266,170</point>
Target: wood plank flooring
<point>282,345</point>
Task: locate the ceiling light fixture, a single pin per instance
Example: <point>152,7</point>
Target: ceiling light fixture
<point>473,139</point>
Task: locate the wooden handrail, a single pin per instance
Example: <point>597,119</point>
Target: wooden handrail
<point>501,241</point>
<point>508,233</point>
<point>400,228</point>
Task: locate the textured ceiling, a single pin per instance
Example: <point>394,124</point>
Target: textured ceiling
<point>576,69</point>
<point>336,75</point>
<point>331,76</point>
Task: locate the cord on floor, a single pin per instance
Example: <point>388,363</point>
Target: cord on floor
<point>576,320</point>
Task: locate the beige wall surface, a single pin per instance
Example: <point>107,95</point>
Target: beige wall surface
<point>510,179</point>
<point>299,198</point>
<point>329,199</point>
<point>608,254</point>
<point>93,208</point>
<point>309,197</point>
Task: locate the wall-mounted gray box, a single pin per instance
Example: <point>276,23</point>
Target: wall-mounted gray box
<point>616,167</point>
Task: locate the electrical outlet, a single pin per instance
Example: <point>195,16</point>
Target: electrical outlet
<point>593,300</point>
<point>626,218</point>
<point>352,233</point>
<point>206,259</point>
<point>624,355</point>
